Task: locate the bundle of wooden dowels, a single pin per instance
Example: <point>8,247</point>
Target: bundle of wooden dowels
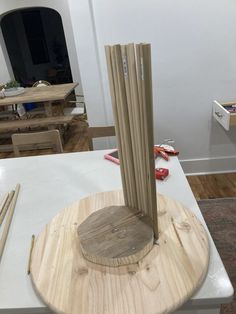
<point>129,71</point>
<point>6,213</point>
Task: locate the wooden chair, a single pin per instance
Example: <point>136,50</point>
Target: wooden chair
<point>78,109</point>
<point>37,140</point>
<point>95,132</point>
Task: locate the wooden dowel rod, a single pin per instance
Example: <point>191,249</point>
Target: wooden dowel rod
<point>30,254</point>
<point>3,202</point>
<point>6,206</point>
<point>8,220</point>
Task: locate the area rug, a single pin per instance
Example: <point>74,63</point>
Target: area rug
<point>220,216</point>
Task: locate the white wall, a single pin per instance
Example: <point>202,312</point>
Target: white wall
<point>194,62</point>
<point>61,6</point>
<point>193,57</point>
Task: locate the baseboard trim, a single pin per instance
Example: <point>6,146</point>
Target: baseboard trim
<point>202,166</point>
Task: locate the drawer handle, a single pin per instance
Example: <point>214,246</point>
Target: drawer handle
<point>218,114</point>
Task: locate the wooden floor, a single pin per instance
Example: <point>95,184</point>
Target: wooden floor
<point>213,186</point>
<point>203,186</point>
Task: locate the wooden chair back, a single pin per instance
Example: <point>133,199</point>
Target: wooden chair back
<point>36,140</point>
<point>95,132</point>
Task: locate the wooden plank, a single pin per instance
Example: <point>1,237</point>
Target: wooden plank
<point>125,129</point>
<point>19,124</point>
<point>134,135</point>
<point>160,283</point>
<point>37,140</point>
<point>149,138</point>
<point>121,131</point>
<point>141,121</point>
<point>112,84</point>
<point>133,107</point>
<point>41,94</point>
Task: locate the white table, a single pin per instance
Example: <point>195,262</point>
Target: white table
<point>50,183</point>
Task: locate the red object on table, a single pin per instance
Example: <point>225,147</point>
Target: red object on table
<point>164,152</point>
<point>161,173</point>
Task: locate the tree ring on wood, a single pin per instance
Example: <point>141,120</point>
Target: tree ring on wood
<point>115,236</point>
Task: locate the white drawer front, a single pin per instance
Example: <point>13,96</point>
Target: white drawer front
<point>221,115</point>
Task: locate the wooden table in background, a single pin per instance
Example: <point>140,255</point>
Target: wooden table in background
<point>42,94</point>
<point>45,94</point>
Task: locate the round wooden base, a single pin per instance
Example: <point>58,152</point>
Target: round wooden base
<point>115,236</point>
<point>161,282</point>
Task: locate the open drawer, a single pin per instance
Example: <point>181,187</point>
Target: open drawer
<point>221,112</point>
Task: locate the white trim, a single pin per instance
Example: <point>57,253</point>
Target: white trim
<point>86,42</point>
<point>224,164</point>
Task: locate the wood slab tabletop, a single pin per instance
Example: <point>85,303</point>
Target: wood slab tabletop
<point>160,283</point>
<point>42,93</point>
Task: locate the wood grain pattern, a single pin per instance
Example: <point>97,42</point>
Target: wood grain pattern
<point>160,283</point>
<point>116,235</point>
<point>41,94</point>
<point>131,90</point>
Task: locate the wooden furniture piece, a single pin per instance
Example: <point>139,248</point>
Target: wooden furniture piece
<point>78,108</point>
<point>99,131</point>
<point>149,285</point>
<point>223,116</point>
<point>16,125</point>
<point>45,94</point>
<point>117,229</point>
<point>60,180</point>
<point>130,80</point>
<point>27,123</point>
<point>36,139</point>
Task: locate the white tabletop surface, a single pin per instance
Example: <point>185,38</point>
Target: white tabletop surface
<point>49,184</point>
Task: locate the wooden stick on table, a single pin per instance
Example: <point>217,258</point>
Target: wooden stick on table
<point>6,206</point>
<point>3,203</point>
<point>30,255</point>
<point>8,220</point>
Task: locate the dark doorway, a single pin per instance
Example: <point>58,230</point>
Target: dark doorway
<point>36,46</point>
